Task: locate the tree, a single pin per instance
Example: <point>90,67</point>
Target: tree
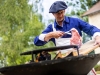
<point>79,7</point>
<point>18,26</point>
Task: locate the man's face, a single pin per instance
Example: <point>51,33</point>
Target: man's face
<point>59,16</point>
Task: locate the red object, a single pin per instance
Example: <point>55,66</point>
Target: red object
<point>76,38</point>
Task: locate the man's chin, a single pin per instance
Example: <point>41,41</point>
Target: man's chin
<point>60,20</point>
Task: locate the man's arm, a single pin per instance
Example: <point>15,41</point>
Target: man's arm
<point>55,34</point>
<point>91,30</point>
<point>97,39</point>
<point>47,36</point>
<point>39,40</point>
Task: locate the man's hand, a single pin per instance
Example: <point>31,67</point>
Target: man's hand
<point>55,34</point>
<point>97,40</point>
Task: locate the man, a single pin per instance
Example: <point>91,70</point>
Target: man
<point>60,32</point>
<point>64,24</point>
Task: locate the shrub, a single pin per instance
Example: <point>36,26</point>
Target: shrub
<point>97,67</point>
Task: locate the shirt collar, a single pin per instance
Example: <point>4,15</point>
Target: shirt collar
<point>66,19</point>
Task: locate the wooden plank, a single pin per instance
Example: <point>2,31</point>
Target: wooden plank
<point>86,48</point>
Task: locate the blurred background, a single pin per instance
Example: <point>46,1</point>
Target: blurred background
<point>22,20</point>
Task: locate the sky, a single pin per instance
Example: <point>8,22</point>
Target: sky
<point>46,14</point>
<point>46,5</point>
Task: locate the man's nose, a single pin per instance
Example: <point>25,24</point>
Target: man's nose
<point>60,15</point>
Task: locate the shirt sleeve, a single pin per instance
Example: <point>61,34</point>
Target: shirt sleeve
<point>88,29</point>
<point>42,36</point>
<point>39,40</point>
<point>95,34</point>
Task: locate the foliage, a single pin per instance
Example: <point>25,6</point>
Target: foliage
<point>97,67</point>
<point>18,25</point>
<point>78,8</point>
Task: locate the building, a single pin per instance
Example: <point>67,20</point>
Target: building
<point>94,15</point>
<point>94,18</point>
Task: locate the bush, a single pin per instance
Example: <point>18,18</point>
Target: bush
<point>97,67</point>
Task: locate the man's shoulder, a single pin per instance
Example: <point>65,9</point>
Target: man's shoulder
<point>71,19</point>
<point>49,25</point>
